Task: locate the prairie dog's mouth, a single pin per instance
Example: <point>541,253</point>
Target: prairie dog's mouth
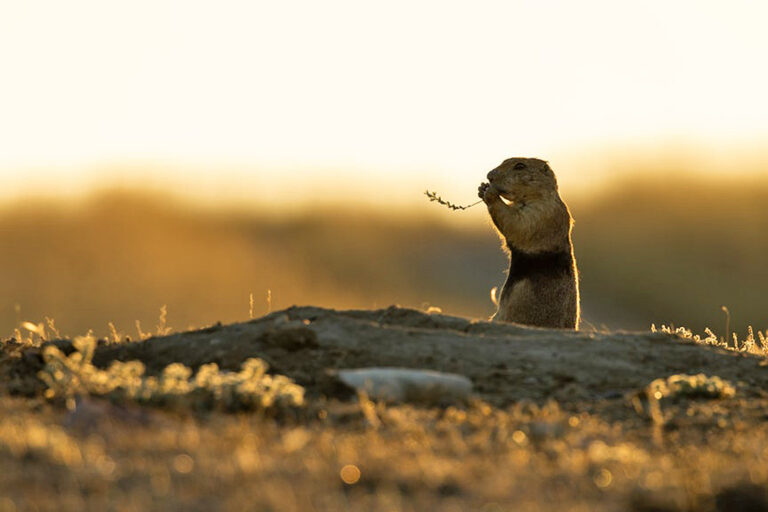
<point>505,195</point>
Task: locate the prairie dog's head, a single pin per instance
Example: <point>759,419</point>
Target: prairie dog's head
<point>521,179</point>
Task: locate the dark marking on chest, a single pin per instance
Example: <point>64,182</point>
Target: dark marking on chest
<point>547,264</point>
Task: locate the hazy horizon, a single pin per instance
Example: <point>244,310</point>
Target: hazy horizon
<point>243,187</point>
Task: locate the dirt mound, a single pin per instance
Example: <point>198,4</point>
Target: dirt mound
<point>506,363</point>
<point>566,421</point>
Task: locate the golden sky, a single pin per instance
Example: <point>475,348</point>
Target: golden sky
<point>306,97</point>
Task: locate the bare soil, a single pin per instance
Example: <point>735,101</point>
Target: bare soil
<point>506,363</point>
<point>563,414</point>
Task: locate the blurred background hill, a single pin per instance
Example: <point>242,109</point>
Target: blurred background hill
<point>663,248</point>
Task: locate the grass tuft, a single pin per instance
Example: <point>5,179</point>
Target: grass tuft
<point>755,343</point>
<point>690,386</point>
<point>249,389</point>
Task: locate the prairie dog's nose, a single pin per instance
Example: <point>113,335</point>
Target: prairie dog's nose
<point>492,174</point>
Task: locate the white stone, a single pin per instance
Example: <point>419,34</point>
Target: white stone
<point>408,385</point>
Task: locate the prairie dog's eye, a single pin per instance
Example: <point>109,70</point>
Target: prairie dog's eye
<point>519,165</point>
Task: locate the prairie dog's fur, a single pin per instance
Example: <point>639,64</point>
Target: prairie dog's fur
<point>542,286</point>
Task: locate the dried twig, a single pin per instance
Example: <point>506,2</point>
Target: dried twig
<point>434,197</point>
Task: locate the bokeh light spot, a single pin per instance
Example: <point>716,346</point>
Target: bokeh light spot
<point>350,474</point>
<point>183,464</point>
<point>603,479</point>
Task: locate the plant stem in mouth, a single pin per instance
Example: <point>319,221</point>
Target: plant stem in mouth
<point>434,197</point>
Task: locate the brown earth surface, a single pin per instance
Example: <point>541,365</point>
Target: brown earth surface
<point>562,421</point>
<point>506,363</point>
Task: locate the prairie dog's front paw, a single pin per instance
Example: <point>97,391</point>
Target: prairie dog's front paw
<point>487,192</point>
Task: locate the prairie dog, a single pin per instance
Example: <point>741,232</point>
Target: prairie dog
<point>542,287</point>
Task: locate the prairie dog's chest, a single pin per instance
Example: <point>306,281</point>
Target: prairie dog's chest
<point>515,293</point>
<point>537,227</point>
